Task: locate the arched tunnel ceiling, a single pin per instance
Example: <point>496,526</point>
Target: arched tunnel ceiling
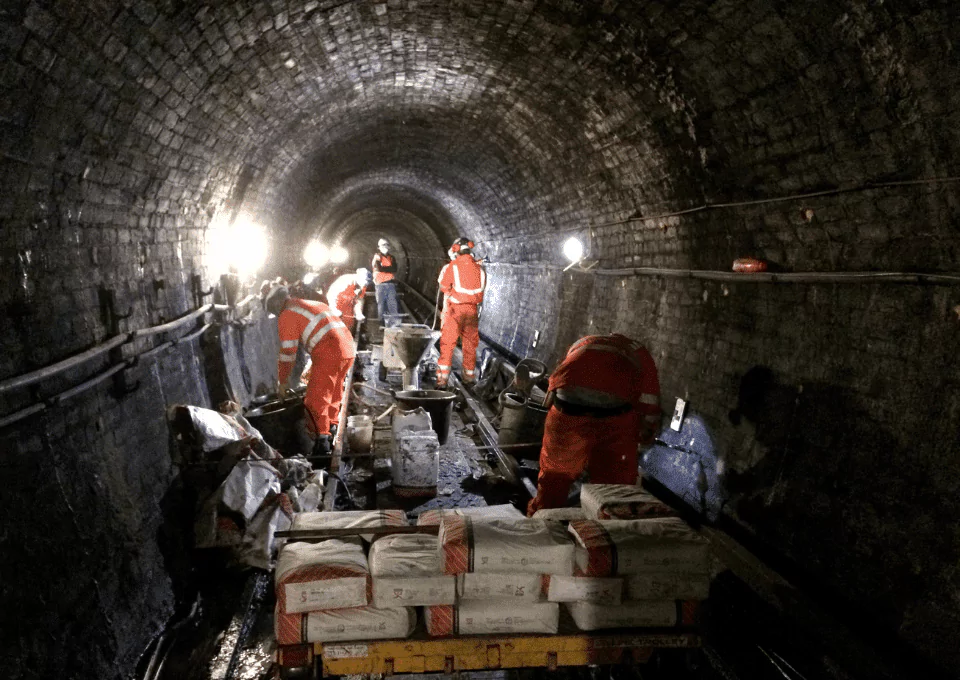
<point>507,119</point>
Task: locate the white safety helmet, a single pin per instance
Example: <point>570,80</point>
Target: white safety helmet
<point>363,276</point>
<point>383,245</point>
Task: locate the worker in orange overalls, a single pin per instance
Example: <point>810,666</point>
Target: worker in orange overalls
<point>462,281</point>
<point>346,293</point>
<point>603,399</point>
<point>384,267</point>
<point>330,346</point>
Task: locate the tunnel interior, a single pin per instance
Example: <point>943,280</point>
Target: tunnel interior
<point>669,137</point>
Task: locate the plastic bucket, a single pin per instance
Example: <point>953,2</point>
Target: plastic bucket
<point>437,403</point>
<point>359,433</point>
<point>278,423</point>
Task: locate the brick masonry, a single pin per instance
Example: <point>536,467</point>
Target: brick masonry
<point>129,127</point>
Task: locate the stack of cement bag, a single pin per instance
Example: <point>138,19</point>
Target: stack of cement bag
<point>663,564</point>
<point>500,566</point>
<point>324,590</point>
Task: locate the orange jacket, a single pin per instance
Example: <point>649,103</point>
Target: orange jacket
<point>614,365</point>
<point>463,281</point>
<point>383,267</point>
<point>317,326</point>
<point>344,293</point>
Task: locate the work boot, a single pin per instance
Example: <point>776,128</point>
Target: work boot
<point>322,447</point>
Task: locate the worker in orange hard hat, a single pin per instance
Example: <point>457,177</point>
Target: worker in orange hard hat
<point>462,281</point>
<point>330,346</point>
<point>346,294</point>
<point>603,399</point>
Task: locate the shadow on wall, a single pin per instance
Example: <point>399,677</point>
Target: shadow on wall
<point>821,482</point>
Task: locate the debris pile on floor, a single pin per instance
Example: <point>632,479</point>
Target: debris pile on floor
<point>247,490</point>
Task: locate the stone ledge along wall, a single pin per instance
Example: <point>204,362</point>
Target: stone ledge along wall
<point>134,132</point>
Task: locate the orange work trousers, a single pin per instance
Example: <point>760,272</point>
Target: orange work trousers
<point>325,391</point>
<point>605,447</point>
<point>458,321</point>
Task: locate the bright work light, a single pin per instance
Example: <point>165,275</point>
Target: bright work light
<point>316,255</point>
<point>338,254</point>
<point>573,249</point>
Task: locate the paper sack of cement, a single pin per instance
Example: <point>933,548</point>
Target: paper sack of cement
<point>621,501</point>
<point>647,614</point>
<point>331,574</point>
<point>349,519</point>
<point>643,546</point>
<point>342,625</point>
<point>528,546</point>
<point>486,618</point>
<point>480,513</point>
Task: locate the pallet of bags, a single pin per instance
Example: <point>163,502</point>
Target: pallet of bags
<point>324,589</point>
<point>501,566</point>
<point>405,570</point>
<point>621,501</point>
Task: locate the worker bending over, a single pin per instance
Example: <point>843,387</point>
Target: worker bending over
<point>603,399</point>
<point>346,294</point>
<point>330,347</point>
<point>384,269</point>
<point>462,281</point>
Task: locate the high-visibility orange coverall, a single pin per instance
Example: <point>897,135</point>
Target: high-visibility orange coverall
<point>462,281</point>
<point>606,399</point>
<point>344,294</point>
<point>330,346</point>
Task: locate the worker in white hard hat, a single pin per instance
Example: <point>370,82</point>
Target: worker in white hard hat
<point>330,347</point>
<point>384,268</point>
<point>346,294</point>
<point>462,281</point>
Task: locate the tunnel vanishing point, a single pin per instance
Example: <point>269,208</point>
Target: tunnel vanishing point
<point>670,136</point>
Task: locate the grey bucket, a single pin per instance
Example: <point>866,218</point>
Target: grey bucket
<point>521,422</point>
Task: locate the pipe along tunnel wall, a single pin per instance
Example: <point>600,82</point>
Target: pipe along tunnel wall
<point>134,136</point>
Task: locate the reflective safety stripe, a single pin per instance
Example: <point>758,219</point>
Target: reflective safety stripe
<point>323,331</point>
<point>287,344</point>
<point>458,287</point>
<point>315,321</point>
<point>468,372</point>
<point>652,399</point>
<point>288,358</point>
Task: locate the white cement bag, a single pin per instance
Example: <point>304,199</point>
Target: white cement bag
<point>520,546</point>
<point>363,623</point>
<point>621,501</point>
<point>500,587</point>
<point>560,514</point>
<point>405,556</point>
<point>607,591</point>
<point>412,592</point>
<point>479,513</point>
<point>248,485</point>
<point>480,618</point>
<point>415,464</point>
<point>666,586</point>
<point>645,614</point>
<point>643,546</point>
<point>350,519</point>
<point>332,574</point>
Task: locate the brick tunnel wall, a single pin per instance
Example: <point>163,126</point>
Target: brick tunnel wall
<point>133,133</point>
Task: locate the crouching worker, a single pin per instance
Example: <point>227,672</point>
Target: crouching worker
<point>346,293</point>
<point>330,347</point>
<point>603,400</point>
